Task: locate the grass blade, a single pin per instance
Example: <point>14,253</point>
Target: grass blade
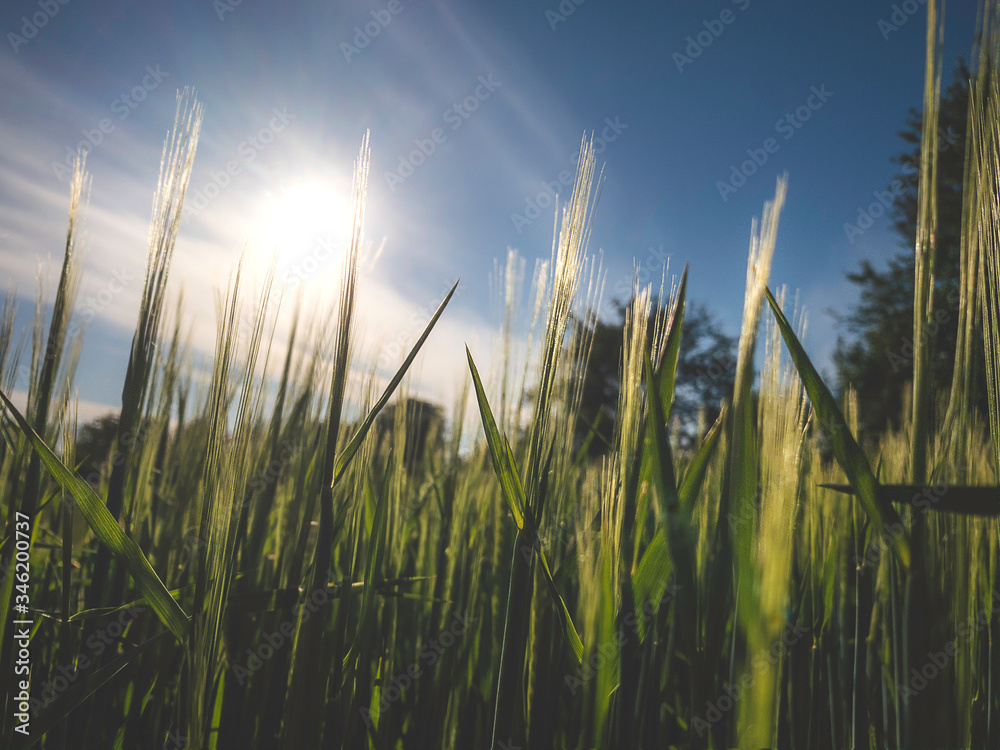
<point>846,449</point>
<point>352,448</point>
<point>565,619</point>
<point>107,530</point>
<point>673,523</point>
<point>513,491</point>
<point>373,571</point>
<point>695,475</point>
<point>654,569</point>
<point>973,501</point>
<point>82,690</point>
<point>509,482</point>
<point>661,455</point>
<point>666,363</point>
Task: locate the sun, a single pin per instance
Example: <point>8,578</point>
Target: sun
<point>305,223</point>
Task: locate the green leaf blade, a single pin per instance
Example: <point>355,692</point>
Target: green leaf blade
<point>509,482</point>
<point>845,448</point>
<point>344,459</point>
<point>670,355</point>
<point>694,477</point>
<point>107,530</point>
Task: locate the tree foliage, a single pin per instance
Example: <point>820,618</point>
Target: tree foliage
<point>705,375</point>
<point>875,351</point>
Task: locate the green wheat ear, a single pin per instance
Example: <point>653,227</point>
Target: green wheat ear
<point>984,105</point>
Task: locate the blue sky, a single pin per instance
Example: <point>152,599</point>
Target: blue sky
<point>497,97</point>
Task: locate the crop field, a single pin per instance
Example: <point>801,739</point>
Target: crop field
<point>278,553</point>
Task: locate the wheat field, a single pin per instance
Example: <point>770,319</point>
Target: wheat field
<point>274,556</point>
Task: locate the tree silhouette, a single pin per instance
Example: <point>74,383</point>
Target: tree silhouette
<point>705,374</point>
<point>424,423</point>
<point>875,355</point>
<point>93,446</point>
